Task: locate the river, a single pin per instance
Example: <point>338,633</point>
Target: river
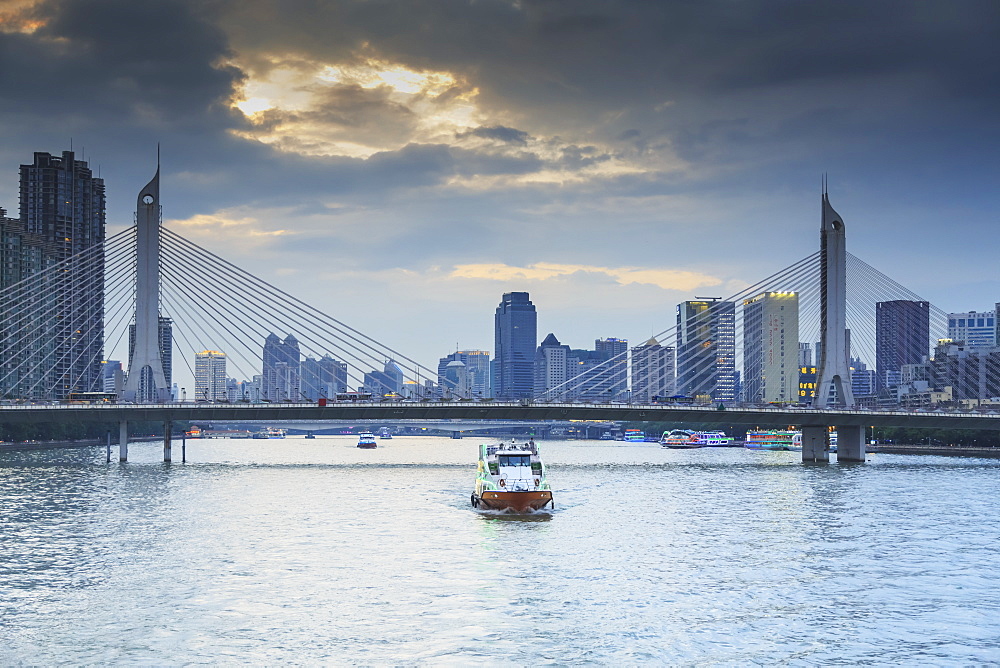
<point>310,552</point>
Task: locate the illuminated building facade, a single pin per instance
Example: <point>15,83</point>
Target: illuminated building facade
<point>771,348</point>
<point>706,349</point>
<point>210,380</point>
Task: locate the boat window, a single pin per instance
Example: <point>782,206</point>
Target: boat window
<point>515,460</point>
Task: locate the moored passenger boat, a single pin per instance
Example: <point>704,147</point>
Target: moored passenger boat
<point>511,477</point>
<point>679,438</point>
<point>772,439</point>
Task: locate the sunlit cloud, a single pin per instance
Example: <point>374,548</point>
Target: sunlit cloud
<point>371,106</point>
<point>16,17</point>
<point>667,279</point>
<point>223,226</point>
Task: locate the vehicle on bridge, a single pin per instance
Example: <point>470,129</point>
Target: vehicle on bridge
<point>92,398</point>
<point>511,477</point>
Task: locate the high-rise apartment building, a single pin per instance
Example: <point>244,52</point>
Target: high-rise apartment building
<point>281,378</point>
<point>902,336</point>
<point>653,373</point>
<point>210,380</point>
<point>974,329</point>
<point>55,339</point>
<point>771,348</point>
<point>706,349</point>
<point>515,329</point>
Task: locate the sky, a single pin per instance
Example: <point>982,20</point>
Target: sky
<point>401,164</point>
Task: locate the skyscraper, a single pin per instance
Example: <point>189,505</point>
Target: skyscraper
<point>771,348</point>
<point>653,371</point>
<point>706,349</point>
<point>210,380</point>
<point>281,377</point>
<point>902,336</point>
<point>62,220</point>
<point>515,327</point>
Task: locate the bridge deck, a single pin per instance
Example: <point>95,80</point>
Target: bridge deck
<point>462,410</point>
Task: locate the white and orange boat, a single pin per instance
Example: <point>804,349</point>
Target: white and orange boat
<point>511,477</point>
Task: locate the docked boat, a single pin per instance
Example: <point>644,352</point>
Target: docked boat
<point>712,439</point>
<point>773,439</point>
<point>269,432</point>
<point>366,440</point>
<point>511,477</point>
<point>634,436</point>
<point>679,438</point>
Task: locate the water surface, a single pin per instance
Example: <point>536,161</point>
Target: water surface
<point>313,551</point>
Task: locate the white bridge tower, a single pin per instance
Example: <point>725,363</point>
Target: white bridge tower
<point>146,381</point>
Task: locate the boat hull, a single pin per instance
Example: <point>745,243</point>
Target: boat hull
<point>519,502</point>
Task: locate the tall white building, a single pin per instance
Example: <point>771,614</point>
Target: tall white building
<point>771,347</point>
<point>977,330</point>
<point>210,376</point>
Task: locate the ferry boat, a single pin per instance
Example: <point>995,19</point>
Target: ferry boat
<point>269,432</point>
<point>385,433</point>
<point>773,439</point>
<point>679,438</point>
<point>634,435</point>
<point>713,439</point>
<point>366,440</point>
<point>511,477</point>
<point>685,438</point>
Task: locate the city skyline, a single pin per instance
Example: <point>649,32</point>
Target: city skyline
<point>534,149</point>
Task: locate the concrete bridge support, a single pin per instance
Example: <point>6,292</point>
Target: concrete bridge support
<point>815,444</point>
<point>850,444</point>
<point>167,437</point>
<point>123,441</point>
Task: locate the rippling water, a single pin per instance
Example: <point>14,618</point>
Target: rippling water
<point>313,551</point>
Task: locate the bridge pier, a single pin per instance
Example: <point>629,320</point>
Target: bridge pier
<point>850,444</point>
<point>123,441</point>
<point>815,444</point>
<point>167,436</point>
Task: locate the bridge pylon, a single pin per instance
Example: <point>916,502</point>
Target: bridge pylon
<point>146,381</point>
<point>833,373</point>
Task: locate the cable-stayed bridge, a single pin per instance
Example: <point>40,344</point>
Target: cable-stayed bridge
<point>152,290</point>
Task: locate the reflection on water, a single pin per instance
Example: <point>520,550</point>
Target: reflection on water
<point>313,551</point>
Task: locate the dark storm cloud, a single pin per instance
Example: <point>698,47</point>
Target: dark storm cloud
<point>118,61</point>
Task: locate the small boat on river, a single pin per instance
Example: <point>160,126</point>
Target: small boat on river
<point>366,440</point>
<point>511,477</point>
